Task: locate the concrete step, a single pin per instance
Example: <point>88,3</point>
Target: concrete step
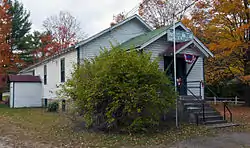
<point>192,101</point>
<point>211,118</point>
<point>221,125</point>
<point>215,122</point>
<point>198,109</point>
<point>189,97</point>
<point>208,113</point>
<point>195,104</point>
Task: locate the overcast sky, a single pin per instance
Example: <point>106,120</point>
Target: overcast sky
<point>94,15</point>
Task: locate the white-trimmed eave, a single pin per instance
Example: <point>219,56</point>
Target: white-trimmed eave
<point>203,47</point>
<point>28,69</point>
<point>112,28</point>
<point>195,38</point>
<point>196,44</point>
<point>185,46</point>
<point>153,40</point>
<point>180,24</point>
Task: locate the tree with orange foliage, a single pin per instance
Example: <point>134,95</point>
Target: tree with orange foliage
<point>9,62</point>
<point>224,26</point>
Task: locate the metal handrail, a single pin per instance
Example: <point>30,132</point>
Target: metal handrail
<point>215,95</point>
<point>203,104</point>
<point>226,107</point>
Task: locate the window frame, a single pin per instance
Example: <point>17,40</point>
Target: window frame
<point>62,70</point>
<point>45,74</point>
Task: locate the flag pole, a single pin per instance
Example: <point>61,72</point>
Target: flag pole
<point>175,78</point>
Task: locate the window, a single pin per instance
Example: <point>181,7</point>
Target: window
<point>63,70</point>
<point>33,72</point>
<point>45,74</point>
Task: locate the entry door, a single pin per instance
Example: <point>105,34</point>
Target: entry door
<point>180,72</point>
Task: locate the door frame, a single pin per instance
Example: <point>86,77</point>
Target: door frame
<point>181,67</point>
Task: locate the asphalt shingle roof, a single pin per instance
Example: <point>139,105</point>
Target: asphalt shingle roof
<point>138,41</point>
<point>24,78</point>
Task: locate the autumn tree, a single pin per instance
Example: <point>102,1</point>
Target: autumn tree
<point>224,26</point>
<point>158,13</point>
<point>9,61</point>
<point>64,28</point>
<point>48,46</point>
<point>118,18</point>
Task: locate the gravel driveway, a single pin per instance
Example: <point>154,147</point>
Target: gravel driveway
<point>4,143</point>
<point>229,140</point>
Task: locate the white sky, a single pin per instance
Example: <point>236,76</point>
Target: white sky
<point>94,15</point>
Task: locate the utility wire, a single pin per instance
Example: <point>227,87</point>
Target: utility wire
<point>136,8</point>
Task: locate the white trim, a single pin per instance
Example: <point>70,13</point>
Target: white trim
<point>196,39</point>
<point>202,49</point>
<point>185,46</point>
<point>153,40</point>
<point>111,28</point>
<point>65,51</point>
<point>182,26</point>
<point>203,46</point>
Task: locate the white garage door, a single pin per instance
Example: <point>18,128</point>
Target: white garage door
<point>27,94</point>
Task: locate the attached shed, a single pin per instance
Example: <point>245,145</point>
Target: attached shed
<point>25,91</point>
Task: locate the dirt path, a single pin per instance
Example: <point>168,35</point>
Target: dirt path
<point>230,140</point>
<point>4,143</point>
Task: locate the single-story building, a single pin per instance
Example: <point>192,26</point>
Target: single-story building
<point>25,91</point>
<point>132,32</point>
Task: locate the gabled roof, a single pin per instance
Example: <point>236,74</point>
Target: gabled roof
<point>88,40</point>
<point>146,39</point>
<point>138,41</point>
<point>64,51</point>
<point>113,27</point>
<point>24,78</point>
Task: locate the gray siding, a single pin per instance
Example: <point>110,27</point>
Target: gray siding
<point>190,51</point>
<point>196,74</point>
<point>156,48</point>
<point>119,35</point>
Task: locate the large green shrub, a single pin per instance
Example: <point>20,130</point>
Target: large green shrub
<point>120,90</point>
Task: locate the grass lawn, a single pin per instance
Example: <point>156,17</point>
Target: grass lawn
<point>35,126</point>
<point>53,129</point>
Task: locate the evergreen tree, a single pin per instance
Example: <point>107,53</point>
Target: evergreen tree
<point>21,24</point>
<point>21,41</point>
<point>30,43</point>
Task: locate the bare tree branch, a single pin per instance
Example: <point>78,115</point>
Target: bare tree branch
<point>65,28</point>
<point>160,13</point>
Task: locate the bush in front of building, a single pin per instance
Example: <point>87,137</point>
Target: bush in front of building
<point>53,106</point>
<point>120,90</point>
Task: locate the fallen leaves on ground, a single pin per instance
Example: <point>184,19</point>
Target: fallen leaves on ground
<point>29,127</point>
